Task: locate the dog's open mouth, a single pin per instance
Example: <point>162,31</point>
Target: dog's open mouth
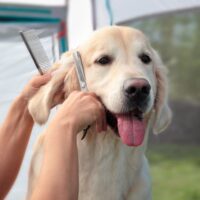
<point>129,126</point>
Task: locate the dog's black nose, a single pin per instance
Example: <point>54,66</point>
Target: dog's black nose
<point>137,89</point>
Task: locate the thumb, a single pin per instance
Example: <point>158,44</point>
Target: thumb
<point>40,80</point>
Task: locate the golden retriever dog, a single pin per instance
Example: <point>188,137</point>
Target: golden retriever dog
<point>129,77</point>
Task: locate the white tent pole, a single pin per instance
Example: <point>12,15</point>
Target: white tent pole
<point>80,24</point>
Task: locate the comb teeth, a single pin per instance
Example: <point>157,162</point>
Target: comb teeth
<point>36,50</point>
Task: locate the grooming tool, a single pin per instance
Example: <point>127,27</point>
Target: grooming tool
<point>36,50</point>
<point>81,79</point>
<point>80,71</point>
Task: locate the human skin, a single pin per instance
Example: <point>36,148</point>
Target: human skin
<point>58,178</point>
<point>15,132</point>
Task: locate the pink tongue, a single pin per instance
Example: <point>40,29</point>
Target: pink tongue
<point>131,130</point>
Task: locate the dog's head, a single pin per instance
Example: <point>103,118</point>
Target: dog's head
<point>125,72</point>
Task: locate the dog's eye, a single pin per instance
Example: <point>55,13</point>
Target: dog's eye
<point>145,58</point>
<point>104,60</point>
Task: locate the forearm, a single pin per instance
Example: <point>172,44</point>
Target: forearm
<point>58,178</point>
<point>14,135</point>
<point>59,174</point>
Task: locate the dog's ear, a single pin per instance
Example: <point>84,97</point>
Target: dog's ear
<point>162,112</point>
<point>64,71</point>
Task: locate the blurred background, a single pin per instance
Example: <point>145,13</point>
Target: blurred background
<point>174,155</point>
<point>173,28</point>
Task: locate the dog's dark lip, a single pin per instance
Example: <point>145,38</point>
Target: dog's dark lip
<point>112,119</point>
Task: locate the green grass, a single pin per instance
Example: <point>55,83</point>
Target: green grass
<point>175,171</point>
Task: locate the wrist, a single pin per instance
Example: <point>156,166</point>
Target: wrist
<point>64,125</point>
<point>58,133</point>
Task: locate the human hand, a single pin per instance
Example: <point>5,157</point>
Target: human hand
<point>81,109</point>
<point>34,85</point>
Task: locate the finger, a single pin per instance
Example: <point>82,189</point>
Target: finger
<point>40,80</point>
<point>73,96</point>
<point>100,119</point>
<point>104,123</point>
<point>103,114</point>
<point>104,119</point>
<point>99,110</point>
<point>99,124</point>
<point>92,94</point>
<point>76,93</point>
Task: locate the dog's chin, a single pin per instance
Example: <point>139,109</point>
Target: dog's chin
<point>129,126</point>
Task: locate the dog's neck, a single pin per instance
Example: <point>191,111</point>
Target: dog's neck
<point>97,146</point>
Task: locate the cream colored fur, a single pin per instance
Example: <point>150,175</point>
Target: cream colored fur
<point>108,169</point>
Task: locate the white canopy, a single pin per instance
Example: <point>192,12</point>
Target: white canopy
<point>134,9</point>
<point>87,15</point>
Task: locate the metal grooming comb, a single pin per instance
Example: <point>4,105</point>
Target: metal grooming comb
<point>80,71</point>
<point>36,50</point>
<point>82,81</point>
